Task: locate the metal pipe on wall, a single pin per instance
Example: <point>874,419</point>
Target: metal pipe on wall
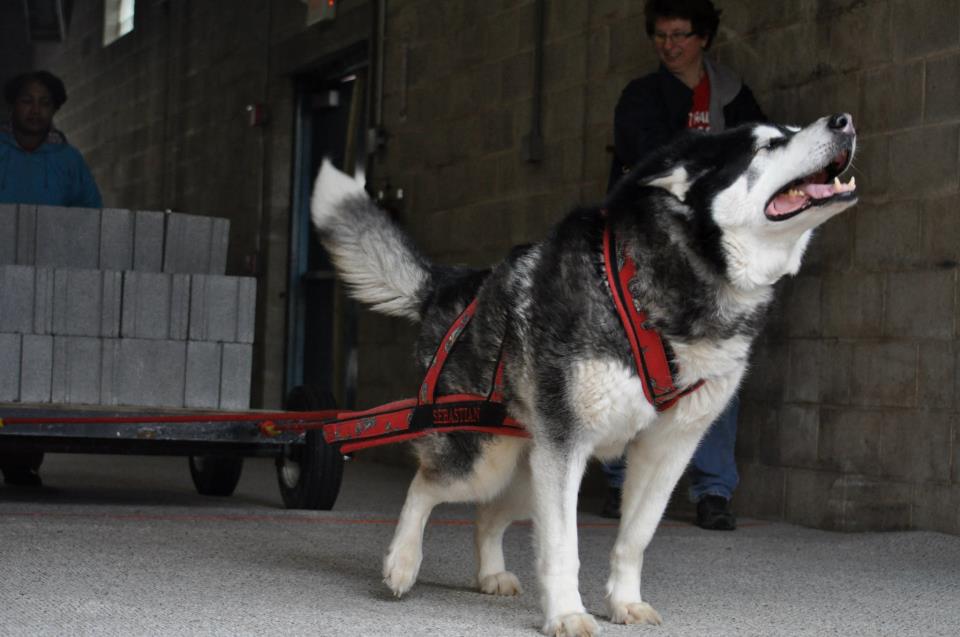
<point>533,141</point>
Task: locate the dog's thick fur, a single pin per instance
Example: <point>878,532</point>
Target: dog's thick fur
<point>712,221</point>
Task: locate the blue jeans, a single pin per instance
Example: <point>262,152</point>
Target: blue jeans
<point>713,469</point>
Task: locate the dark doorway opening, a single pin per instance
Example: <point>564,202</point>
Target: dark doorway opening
<point>331,122</point>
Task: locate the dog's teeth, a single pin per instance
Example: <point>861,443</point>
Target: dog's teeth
<point>837,186</point>
<point>852,183</point>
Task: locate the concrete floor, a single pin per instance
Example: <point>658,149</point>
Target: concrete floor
<point>123,546</point>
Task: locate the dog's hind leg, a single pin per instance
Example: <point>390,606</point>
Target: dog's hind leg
<point>555,475</point>
<point>493,518</point>
<point>655,461</point>
<point>491,469</point>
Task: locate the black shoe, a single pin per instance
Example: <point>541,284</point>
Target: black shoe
<point>714,514</point>
<point>611,505</point>
<point>21,477</point>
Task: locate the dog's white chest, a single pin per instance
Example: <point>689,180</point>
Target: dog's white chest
<point>609,401</point>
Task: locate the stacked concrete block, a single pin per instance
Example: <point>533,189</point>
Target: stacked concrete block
<point>86,303</point>
<point>222,308</point>
<point>116,244</point>
<point>143,372</point>
<point>203,370</point>
<point>9,367</point>
<point>76,370</point>
<point>119,307</point>
<point>111,239</point>
<point>148,236</point>
<point>155,305</point>
<point>17,285</point>
<point>196,245</point>
<point>8,234</point>
<point>36,368</point>
<point>66,237</point>
<point>237,363</point>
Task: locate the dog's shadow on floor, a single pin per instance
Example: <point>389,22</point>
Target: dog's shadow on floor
<point>364,574</point>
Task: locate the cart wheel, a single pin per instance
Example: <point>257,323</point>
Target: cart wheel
<point>309,473</point>
<point>215,475</point>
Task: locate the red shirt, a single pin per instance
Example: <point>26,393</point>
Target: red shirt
<point>699,116</point>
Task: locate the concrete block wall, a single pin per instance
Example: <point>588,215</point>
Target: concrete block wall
<point>850,416</point>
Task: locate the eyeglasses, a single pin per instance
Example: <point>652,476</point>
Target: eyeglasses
<point>674,38</point>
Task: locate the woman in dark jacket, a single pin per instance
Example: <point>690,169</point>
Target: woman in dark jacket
<point>688,91</point>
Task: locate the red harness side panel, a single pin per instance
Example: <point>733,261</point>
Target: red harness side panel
<point>646,345</point>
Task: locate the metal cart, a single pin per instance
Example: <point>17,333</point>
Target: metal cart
<point>215,442</point>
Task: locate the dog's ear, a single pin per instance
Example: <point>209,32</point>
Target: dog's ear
<point>676,180</point>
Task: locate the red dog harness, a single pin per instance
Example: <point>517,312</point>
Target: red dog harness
<point>426,414</point>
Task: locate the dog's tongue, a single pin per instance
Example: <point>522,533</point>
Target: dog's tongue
<point>785,204</point>
<point>791,201</point>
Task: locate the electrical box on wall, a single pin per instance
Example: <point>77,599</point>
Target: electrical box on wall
<point>321,10</point>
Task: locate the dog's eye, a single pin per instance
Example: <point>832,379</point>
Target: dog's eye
<point>774,143</point>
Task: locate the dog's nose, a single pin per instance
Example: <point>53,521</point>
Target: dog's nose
<point>842,123</point>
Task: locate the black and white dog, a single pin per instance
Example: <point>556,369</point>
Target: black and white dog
<point>712,222</point>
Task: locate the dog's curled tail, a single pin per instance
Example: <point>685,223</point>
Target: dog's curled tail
<point>371,254</point>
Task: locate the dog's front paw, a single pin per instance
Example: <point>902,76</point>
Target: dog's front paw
<point>503,583</point>
<point>400,571</point>
<point>572,625</point>
<point>635,613</point>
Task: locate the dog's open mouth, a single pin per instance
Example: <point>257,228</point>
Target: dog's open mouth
<point>816,189</point>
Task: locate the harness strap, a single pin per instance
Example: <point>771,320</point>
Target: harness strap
<point>405,420</point>
<point>425,414</point>
<point>646,345</point>
<point>429,386</point>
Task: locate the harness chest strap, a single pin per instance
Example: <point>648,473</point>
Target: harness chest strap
<point>646,344</point>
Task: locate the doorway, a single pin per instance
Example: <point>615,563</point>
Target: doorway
<point>322,334</point>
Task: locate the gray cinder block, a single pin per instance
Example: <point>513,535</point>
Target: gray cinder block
<point>179,307</point>
<point>8,233</point>
<point>111,302</point>
<point>16,298</point>
<point>246,309</point>
<point>236,368</point>
<point>86,302</point>
<point>36,369</point>
<point>219,243</point>
<point>143,372</point>
<point>203,374</point>
<point>76,369</point>
<point>9,367</point>
<point>196,244</point>
<point>148,228</point>
<point>222,308</point>
<point>26,234</point>
<point>77,295</point>
<point>155,305</point>
<point>116,240</point>
<point>43,300</point>
<point>68,237</point>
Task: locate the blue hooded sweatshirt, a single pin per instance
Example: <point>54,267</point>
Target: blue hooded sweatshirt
<point>54,174</point>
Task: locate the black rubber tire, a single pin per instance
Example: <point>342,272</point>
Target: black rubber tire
<point>309,474</point>
<point>215,475</point>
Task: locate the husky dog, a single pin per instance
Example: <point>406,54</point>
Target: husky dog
<point>712,222</point>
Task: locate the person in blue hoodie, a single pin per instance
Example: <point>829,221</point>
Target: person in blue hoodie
<point>37,165</point>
